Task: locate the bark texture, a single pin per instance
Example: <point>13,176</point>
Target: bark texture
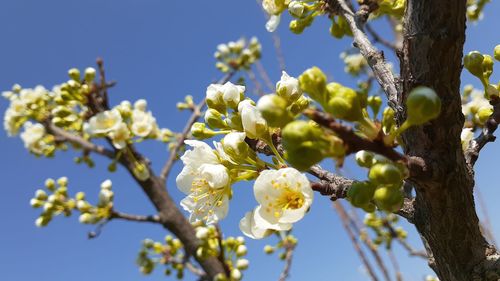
<point>445,214</point>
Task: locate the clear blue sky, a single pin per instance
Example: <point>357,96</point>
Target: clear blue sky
<point>161,51</point>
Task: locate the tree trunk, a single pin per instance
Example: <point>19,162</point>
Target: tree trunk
<point>445,214</point>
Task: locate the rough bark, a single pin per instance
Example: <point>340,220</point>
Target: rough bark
<point>445,214</point>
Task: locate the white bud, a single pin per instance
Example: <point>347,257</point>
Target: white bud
<point>236,274</point>
<point>202,233</point>
<point>242,264</point>
<point>106,184</point>
<point>141,105</point>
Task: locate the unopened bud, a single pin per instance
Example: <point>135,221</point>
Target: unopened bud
<point>388,198</point>
<point>74,74</point>
<point>496,52</point>
<point>313,81</point>
<point>200,131</point>
<point>364,158</point>
<point>274,109</point>
<point>385,173</point>
<point>423,104</point>
<point>473,63</point>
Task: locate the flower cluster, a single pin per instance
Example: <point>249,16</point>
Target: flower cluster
<point>233,250</point>
<point>67,106</point>
<point>59,202</point>
<point>475,107</point>
<point>126,123</point>
<point>237,55</point>
<point>170,254</point>
<point>284,194</point>
<point>287,242</point>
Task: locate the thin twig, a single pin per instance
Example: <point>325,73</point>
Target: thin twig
<point>288,262</point>
<point>197,111</point>
<point>369,244</point>
<point>344,219</point>
<point>136,218</point>
<point>257,86</point>
<point>395,264</point>
<point>263,74</point>
<point>373,56</point>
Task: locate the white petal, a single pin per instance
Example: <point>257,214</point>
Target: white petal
<point>185,180</point>
<point>250,229</point>
<point>264,219</point>
<point>273,23</point>
<point>216,175</point>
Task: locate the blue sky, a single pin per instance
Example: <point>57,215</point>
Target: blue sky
<point>161,51</point>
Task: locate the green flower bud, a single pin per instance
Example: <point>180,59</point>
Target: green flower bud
<point>42,221</point>
<point>220,277</point>
<point>74,74</point>
<point>274,109</point>
<point>487,66</point>
<point>199,131</point>
<point>297,9</point>
<point>364,158</point>
<point>302,158</point>
<point>80,196</point>
<point>236,274</point>
<point>388,119</point>
<point>268,249</point>
<point>374,102</point>
<point>491,90</point>
<point>313,81</point>
<point>235,146</point>
<point>483,114</point>
<point>496,52</point>
<point>241,250</point>
<point>360,193</point>
<point>385,173</point>
<point>35,203</point>
<point>50,184</point>
<point>62,181</point>
<point>295,133</point>
<point>40,194</point>
<point>214,119</point>
<point>242,264</point>
<point>344,103</point>
<point>388,199</point>
<point>299,105</point>
<point>473,62</point>
<point>89,75</point>
<point>423,104</point>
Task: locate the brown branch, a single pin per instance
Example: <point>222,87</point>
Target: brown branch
<point>62,135</point>
<point>136,218</point>
<point>486,136</point>
<point>373,56</point>
<point>197,111</point>
<point>355,143</point>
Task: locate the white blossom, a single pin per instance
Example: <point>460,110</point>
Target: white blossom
<point>143,123</point>
<point>141,105</point>
<point>206,182</point>
<point>477,102</point>
<point>288,87</point>
<point>32,137</point>
<point>120,136</point>
<point>253,122</point>
<point>232,93</point>
<point>284,196</point>
<point>104,122</point>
